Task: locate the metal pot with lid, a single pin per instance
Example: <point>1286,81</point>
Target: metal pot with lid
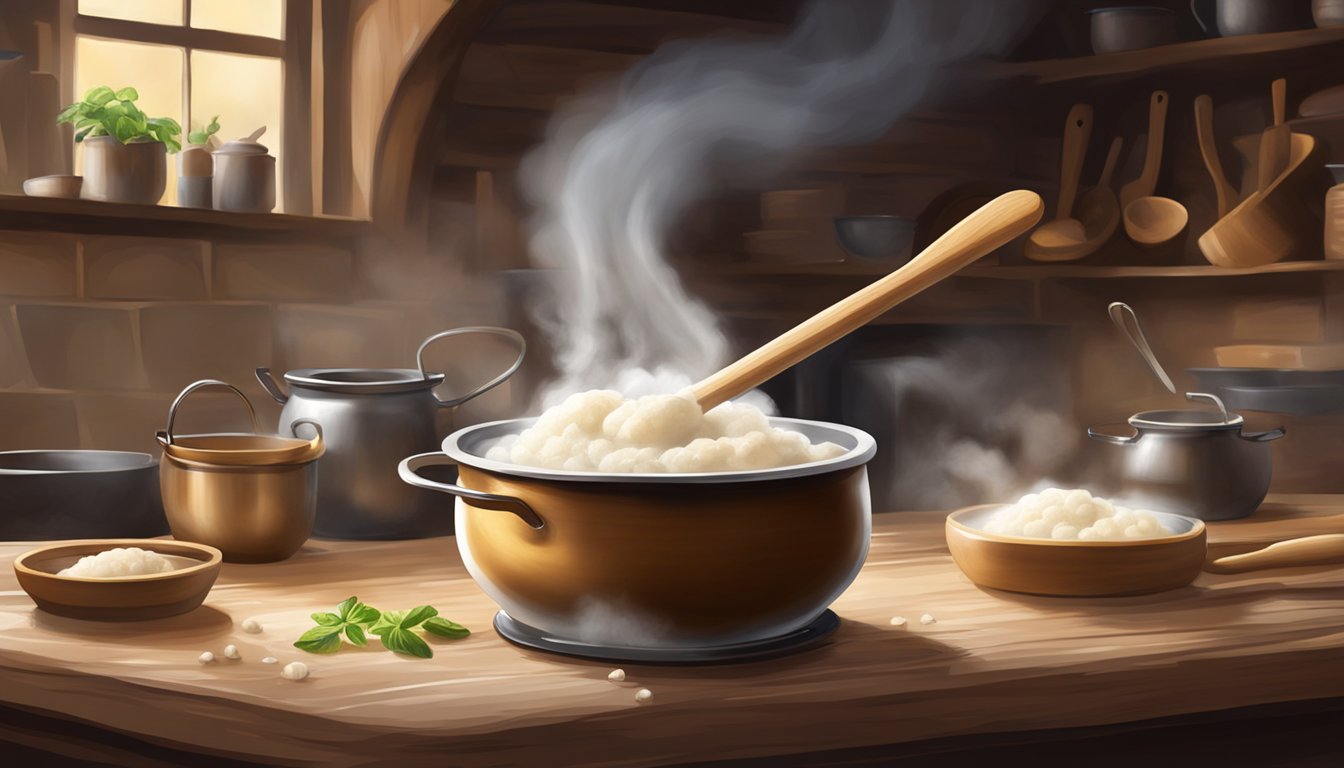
<point>371,419</point>
<point>1196,462</point>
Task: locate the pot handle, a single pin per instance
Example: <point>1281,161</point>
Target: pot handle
<point>1108,437</point>
<point>271,386</point>
<point>409,471</point>
<point>295,424</point>
<point>166,436</point>
<point>1205,13</point>
<point>507,333</point>
<point>1264,437</point>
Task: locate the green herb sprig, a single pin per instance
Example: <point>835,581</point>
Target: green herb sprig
<point>356,621</point>
<point>105,112</point>
<point>202,137</point>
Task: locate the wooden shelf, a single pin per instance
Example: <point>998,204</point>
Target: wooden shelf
<point>93,217</point>
<point>1222,52</point>
<point>1014,272</point>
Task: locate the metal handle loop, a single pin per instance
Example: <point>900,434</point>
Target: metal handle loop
<point>507,333</point>
<point>202,384</point>
<point>408,470</point>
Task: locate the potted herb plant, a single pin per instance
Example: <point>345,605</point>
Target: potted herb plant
<point>124,150</point>
<point>196,167</point>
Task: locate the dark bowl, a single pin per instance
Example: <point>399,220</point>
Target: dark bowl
<point>79,494</point>
<point>886,238</point>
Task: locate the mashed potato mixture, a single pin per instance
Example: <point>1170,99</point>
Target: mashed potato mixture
<point>122,561</point>
<point>602,431</point>
<point>1059,514</point>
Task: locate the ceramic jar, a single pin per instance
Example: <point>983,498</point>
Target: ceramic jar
<point>244,178</point>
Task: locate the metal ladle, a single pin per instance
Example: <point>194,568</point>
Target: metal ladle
<point>1124,318</point>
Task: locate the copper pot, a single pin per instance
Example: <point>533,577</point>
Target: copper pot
<point>253,497</point>
<point>659,560</point>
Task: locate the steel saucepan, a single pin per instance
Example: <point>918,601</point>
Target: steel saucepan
<point>659,560</point>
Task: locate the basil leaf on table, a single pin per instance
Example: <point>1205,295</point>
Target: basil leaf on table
<point>406,642</point>
<point>416,616</point>
<point>444,628</point>
<point>355,634</point>
<point>320,640</point>
<point>327,619</point>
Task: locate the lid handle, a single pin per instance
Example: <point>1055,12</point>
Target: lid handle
<point>166,437</point>
<point>1216,401</point>
<point>508,333</point>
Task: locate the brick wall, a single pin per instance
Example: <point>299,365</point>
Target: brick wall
<point>98,333</point>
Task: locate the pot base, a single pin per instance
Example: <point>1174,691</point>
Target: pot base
<point>813,633</point>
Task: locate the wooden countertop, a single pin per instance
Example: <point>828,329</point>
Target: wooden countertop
<point>992,663</point>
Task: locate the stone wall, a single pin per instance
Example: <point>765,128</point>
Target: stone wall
<point>98,333</point>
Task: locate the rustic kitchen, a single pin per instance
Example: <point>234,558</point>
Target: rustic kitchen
<point>671,382</point>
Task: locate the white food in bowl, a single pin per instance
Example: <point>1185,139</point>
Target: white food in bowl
<point>120,561</point>
<point>1056,513</point>
<point>601,431</point>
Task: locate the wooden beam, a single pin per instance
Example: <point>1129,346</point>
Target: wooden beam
<point>338,170</point>
<point>611,28</point>
<point>297,88</point>
<point>187,37</point>
<point>530,76</point>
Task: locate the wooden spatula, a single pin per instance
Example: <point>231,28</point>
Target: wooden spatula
<point>1308,550</point>
<point>1276,143</point>
<point>1208,149</point>
<point>994,224</point>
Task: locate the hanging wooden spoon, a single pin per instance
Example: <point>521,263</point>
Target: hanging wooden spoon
<point>1208,149</point>
<point>1144,185</point>
<point>1151,220</point>
<point>991,226</point>
<point>1276,143</point>
<point>1098,212</point>
<point>1064,230</point>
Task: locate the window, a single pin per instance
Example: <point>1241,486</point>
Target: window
<point>192,60</point>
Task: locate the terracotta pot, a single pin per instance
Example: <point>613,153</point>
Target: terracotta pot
<point>124,173</point>
<point>659,560</point>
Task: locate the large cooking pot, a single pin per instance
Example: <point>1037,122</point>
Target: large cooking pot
<point>659,560</point>
<point>79,495</point>
<point>371,419</point>
<point>1194,462</point>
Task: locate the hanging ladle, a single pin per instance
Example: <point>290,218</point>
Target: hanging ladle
<point>1128,323</point>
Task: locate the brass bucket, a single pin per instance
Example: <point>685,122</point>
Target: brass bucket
<point>253,497</point>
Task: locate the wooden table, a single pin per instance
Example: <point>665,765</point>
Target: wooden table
<point>993,663</point>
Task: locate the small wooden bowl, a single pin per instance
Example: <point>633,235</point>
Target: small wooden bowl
<point>60,185</point>
<point>123,598</point>
<point>1072,568</point>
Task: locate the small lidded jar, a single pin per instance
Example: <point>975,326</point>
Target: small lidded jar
<point>244,177</point>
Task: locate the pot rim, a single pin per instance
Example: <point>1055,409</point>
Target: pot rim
<point>380,381</point>
<point>1153,420</point>
<point>861,447</point>
<point>142,461</point>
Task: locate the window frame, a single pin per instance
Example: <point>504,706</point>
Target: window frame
<point>293,49</point>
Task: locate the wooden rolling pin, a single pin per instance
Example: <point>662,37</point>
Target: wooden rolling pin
<point>994,224</point>
<point>1308,550</point>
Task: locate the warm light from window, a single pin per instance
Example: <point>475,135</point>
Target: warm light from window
<point>155,71</point>
<point>152,11</point>
<point>249,17</point>
<point>215,79</point>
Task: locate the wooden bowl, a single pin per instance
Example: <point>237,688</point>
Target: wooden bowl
<point>54,186</point>
<point>1072,568</point>
<point>124,598</point>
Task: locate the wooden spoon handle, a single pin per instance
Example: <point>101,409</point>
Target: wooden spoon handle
<point>1112,156</point>
<point>994,224</point>
<point>1152,159</point>
<point>1208,149</point>
<point>1308,550</point>
<point>1278,93</point>
<point>1077,130</point>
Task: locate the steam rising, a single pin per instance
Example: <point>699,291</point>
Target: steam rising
<point>621,165</point>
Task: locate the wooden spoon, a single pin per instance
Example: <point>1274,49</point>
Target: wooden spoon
<point>1308,550</point>
<point>1151,220</point>
<point>993,225</point>
<point>1098,215</point>
<point>1208,149</point>
<point>1276,143</point>
<point>1064,231</point>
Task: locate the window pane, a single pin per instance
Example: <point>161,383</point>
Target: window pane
<point>217,89</point>
<point>248,17</point>
<point>152,11</point>
<point>153,70</point>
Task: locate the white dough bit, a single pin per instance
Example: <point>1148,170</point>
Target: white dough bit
<point>117,562</point>
<point>294,670</point>
<point>251,626</point>
<point>231,652</point>
<point>643,695</point>
<point>927,619</point>
<point>269,660</point>
<point>898,621</point>
<point>617,675</point>
<point>601,431</point>
<point>206,658</point>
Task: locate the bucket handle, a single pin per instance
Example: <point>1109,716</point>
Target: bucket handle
<point>409,471</point>
<point>1111,437</point>
<point>507,333</point>
<point>166,436</point>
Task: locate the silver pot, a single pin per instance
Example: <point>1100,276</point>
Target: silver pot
<point>660,560</point>
<point>371,419</point>
<point>1194,462</point>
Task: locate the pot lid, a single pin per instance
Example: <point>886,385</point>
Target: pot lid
<point>1189,419</point>
<point>238,449</point>
<point>363,381</point>
<point>241,147</point>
